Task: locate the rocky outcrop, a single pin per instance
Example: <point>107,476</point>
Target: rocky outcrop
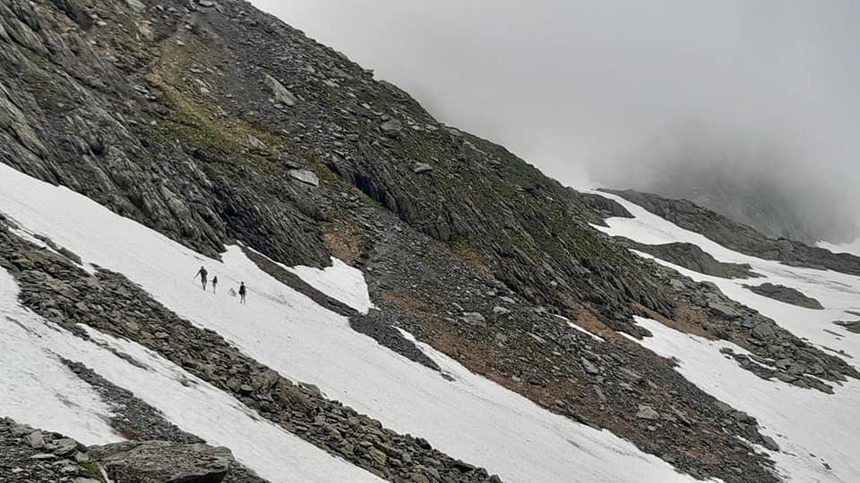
<point>853,326</point>
<point>692,257</point>
<point>775,352</point>
<point>785,294</point>
<point>29,455</point>
<point>742,238</point>
<point>159,461</point>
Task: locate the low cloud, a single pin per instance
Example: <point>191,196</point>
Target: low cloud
<point>579,87</point>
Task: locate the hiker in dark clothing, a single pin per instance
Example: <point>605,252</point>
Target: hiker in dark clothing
<point>242,291</point>
<point>214,283</point>
<point>202,273</point>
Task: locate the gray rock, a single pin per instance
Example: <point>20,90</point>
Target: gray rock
<point>392,128</point>
<point>474,318</point>
<point>694,258</point>
<point>136,5</point>
<point>589,367</point>
<point>786,295</point>
<point>769,443</point>
<point>763,331</point>
<point>36,440</point>
<point>280,93</point>
<point>647,412</point>
<point>499,310</point>
<point>421,168</point>
<point>256,143</point>
<point>64,446</point>
<point>723,310</point>
<point>305,176</point>
<point>849,326</point>
<point>43,456</point>
<point>150,461</point>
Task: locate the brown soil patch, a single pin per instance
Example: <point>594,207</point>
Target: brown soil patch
<point>409,304</point>
<point>470,257</point>
<point>590,322</point>
<point>687,319</point>
<point>345,240</point>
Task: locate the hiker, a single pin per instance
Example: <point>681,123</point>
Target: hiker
<point>202,273</point>
<point>214,283</point>
<point>242,291</point>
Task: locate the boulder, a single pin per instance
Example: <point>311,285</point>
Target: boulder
<point>421,168</point>
<point>151,461</point>
<point>647,412</point>
<point>392,128</point>
<point>305,176</point>
<point>723,310</point>
<point>280,94</point>
<point>474,318</point>
<point>769,443</point>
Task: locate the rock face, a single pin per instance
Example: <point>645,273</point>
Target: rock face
<point>694,258</point>
<point>158,461</point>
<point>786,294</point>
<point>29,455</point>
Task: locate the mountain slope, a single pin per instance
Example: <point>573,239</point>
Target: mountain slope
<point>256,151</point>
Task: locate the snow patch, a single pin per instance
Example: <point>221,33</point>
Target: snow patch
<point>804,422</point>
<point>38,389</point>
<point>339,281</point>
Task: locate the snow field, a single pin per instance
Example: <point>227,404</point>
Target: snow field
<point>472,418</point>
<point>813,429</point>
<point>44,393</point>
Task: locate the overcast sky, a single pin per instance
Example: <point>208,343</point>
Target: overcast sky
<point>565,83</point>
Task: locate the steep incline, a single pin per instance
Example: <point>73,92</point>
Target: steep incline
<point>217,123</point>
<point>126,330</point>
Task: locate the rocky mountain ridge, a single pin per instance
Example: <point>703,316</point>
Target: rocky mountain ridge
<point>739,237</point>
<point>214,123</point>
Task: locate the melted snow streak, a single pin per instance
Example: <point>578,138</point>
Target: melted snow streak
<point>471,418</point>
<point>818,433</point>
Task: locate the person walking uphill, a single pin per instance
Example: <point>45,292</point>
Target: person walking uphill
<point>202,273</point>
<point>214,283</point>
<point>242,291</point>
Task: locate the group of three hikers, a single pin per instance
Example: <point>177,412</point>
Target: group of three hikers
<point>203,274</point>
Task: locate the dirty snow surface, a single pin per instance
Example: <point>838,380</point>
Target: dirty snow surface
<point>469,418</point>
<point>818,434</point>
